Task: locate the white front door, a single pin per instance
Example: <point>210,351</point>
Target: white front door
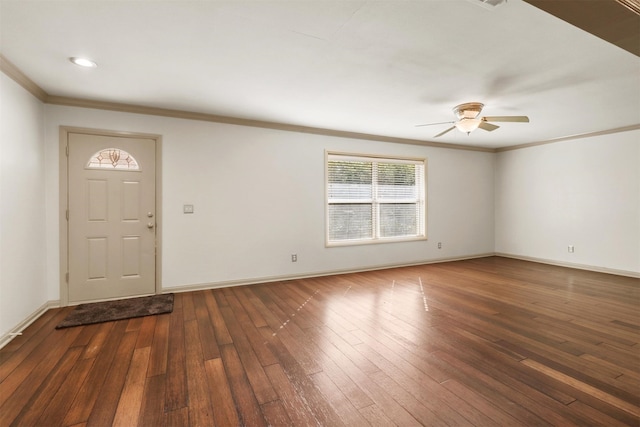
<point>112,208</point>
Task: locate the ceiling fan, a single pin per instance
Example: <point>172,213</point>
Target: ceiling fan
<point>469,119</point>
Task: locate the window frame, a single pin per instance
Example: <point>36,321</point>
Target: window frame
<point>376,238</point>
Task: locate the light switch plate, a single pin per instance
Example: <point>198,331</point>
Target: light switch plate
<point>188,209</point>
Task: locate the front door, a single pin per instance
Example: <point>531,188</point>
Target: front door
<point>112,206</point>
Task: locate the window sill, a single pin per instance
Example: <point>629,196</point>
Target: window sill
<point>360,242</point>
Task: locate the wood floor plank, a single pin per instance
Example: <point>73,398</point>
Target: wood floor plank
<point>238,303</point>
<point>287,332</point>
<point>342,405</point>
<point>296,408</point>
<point>245,296</point>
<point>219,327</point>
<point>134,324</point>
<point>376,416</point>
<point>595,417</point>
<point>97,341</point>
<point>200,409</point>
<point>483,405</point>
<point>275,414</point>
<point>26,379</point>
<point>130,401</point>
<point>105,407</point>
<point>188,310</point>
<point>419,386</point>
<point>86,335</point>
<point>38,403</point>
<point>178,418</point>
<point>224,410</point>
<point>85,399</point>
<point>377,394</point>
<point>177,395</point>
<point>542,397</point>
<point>508,368</point>
<point>208,341</point>
<point>159,346</point>
<point>262,389</point>
<point>302,383</point>
<point>146,332</point>
<point>248,407</point>
<point>61,401</point>
<point>333,367</point>
<point>602,395</point>
<point>584,371</point>
<point>483,342</point>
<point>152,411</point>
<point>483,384</point>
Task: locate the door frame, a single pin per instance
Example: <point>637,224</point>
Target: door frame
<point>64,202</point>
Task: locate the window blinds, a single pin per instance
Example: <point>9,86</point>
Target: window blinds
<point>370,198</point>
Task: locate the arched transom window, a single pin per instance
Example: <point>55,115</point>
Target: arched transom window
<point>113,158</point>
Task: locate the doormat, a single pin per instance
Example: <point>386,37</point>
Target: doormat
<point>108,311</point>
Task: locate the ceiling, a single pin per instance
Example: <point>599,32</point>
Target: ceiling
<point>372,67</point>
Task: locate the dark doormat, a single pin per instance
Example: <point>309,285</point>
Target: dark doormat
<point>97,312</point>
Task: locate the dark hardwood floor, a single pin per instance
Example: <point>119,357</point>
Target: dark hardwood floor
<point>483,342</point>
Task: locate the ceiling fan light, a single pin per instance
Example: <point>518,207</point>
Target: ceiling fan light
<point>467,125</point>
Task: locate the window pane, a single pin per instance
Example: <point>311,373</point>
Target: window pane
<point>396,181</point>
<point>350,221</point>
<point>349,180</point>
<point>398,219</point>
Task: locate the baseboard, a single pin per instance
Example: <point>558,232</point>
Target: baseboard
<point>17,330</point>
<point>6,338</point>
<point>269,279</point>
<point>596,269</point>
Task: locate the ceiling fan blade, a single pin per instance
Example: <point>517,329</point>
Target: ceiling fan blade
<point>443,132</point>
<point>431,124</point>
<point>521,119</point>
<point>487,126</point>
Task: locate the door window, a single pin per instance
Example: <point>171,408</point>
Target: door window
<point>113,158</point>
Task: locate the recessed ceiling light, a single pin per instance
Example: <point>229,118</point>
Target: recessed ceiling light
<point>83,62</point>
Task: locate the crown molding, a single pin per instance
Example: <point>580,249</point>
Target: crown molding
<point>570,137</point>
<point>19,77</point>
<point>190,115</point>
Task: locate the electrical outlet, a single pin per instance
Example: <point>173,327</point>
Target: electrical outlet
<point>571,249</point>
<point>188,209</point>
<point>294,258</point>
<point>439,245</point>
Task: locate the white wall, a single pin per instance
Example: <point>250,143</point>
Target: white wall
<point>582,192</point>
<point>259,197</point>
<point>22,205</point>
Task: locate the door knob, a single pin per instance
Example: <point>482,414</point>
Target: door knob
<point>150,225</point>
<point>150,214</point>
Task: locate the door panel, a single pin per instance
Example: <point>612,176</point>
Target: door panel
<point>130,198</point>
<point>97,258</point>
<point>97,202</point>
<point>131,256</point>
<point>112,229</point>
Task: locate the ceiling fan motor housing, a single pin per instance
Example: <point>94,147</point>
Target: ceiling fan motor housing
<point>468,110</point>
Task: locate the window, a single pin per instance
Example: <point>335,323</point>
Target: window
<point>374,199</point>
<point>113,158</point>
